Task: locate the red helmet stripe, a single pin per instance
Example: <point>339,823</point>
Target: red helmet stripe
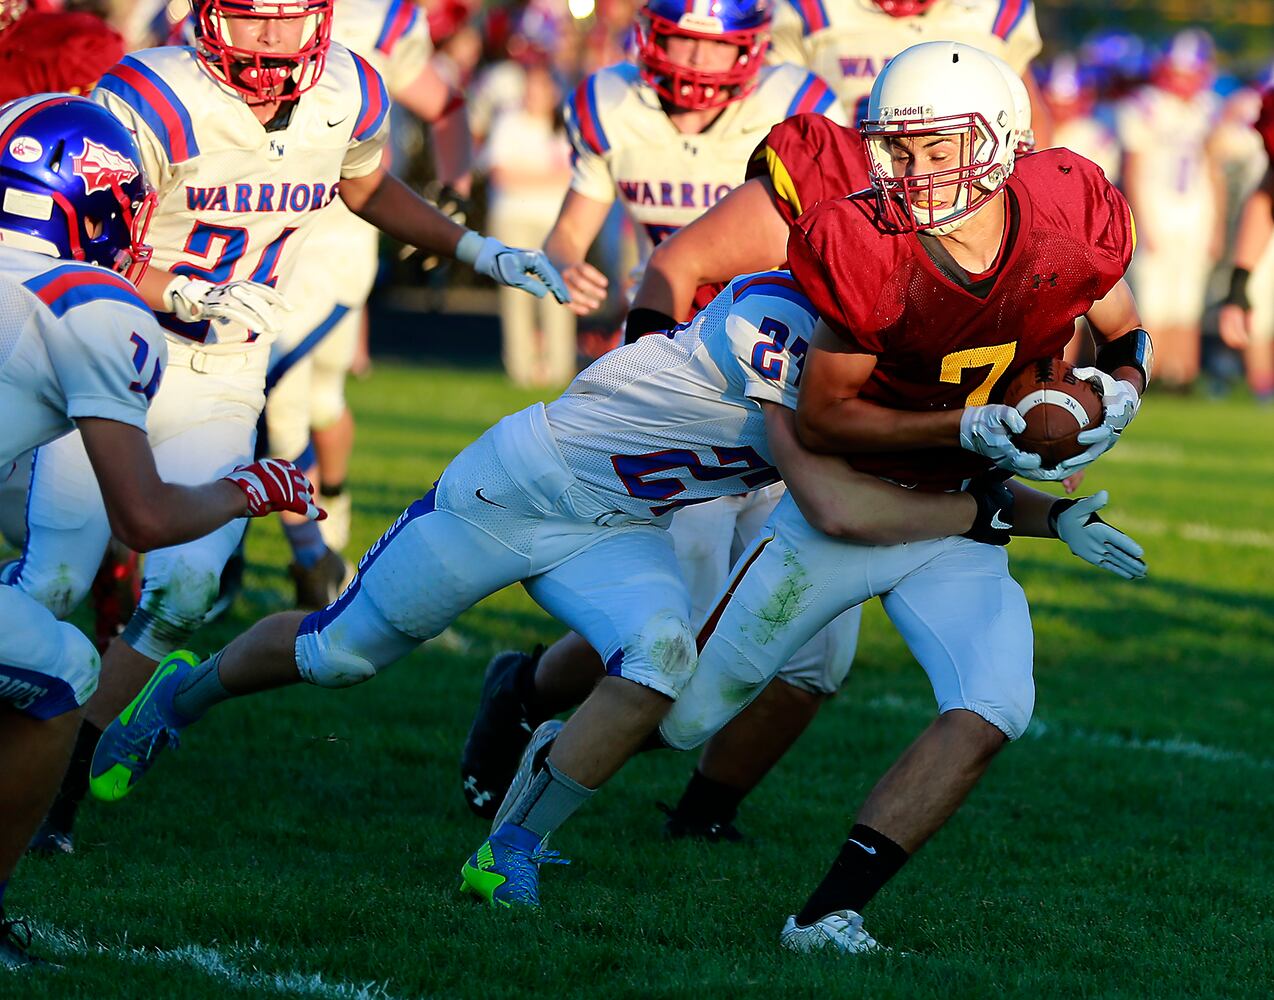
<point>16,124</point>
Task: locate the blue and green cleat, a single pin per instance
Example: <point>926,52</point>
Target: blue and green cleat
<point>505,870</point>
<point>130,744</point>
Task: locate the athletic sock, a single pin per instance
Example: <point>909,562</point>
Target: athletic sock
<point>331,490</point>
<point>201,690</point>
<point>307,542</point>
<point>550,799</point>
<point>707,801</point>
<point>866,862</point>
<point>75,783</point>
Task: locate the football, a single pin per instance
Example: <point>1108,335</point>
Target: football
<point>1056,406</point>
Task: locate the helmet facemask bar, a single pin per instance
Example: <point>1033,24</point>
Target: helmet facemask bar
<point>690,89</point>
<point>263,76</point>
<point>909,202</point>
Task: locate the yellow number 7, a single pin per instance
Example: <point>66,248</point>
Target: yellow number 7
<point>999,357</point>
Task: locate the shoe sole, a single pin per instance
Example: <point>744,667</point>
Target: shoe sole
<point>114,783</point>
<point>545,734</point>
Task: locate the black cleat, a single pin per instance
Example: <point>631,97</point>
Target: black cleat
<point>15,945</point>
<point>319,585</point>
<point>51,840</point>
<point>500,732</point>
<point>678,827</point>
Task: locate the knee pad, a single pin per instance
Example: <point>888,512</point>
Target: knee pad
<point>173,607</point>
<point>663,656</point>
<point>60,587</point>
<point>329,666</point>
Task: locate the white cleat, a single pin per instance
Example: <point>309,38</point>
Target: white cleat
<point>840,930</point>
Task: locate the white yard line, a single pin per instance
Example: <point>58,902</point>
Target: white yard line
<point>1195,531</point>
<point>1041,730</point>
<point>229,966</point>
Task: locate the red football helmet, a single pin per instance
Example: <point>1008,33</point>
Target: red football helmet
<point>744,23</point>
<point>904,8</point>
<point>263,75</point>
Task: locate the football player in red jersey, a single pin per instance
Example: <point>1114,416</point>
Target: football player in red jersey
<point>1256,226</point>
<point>960,266</point>
<point>47,51</point>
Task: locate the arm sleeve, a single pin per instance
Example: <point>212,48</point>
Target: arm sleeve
<point>158,168</point>
<point>809,160</point>
<point>371,123</point>
<point>812,259</point>
<point>590,172</point>
<point>1022,43</point>
<point>768,334</point>
<point>109,360</point>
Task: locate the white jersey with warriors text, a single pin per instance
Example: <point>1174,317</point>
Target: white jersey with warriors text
<point>625,145</point>
<point>848,42</point>
<point>677,419</point>
<point>237,201</point>
<point>75,341</point>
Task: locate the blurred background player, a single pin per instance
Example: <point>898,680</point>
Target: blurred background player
<point>82,350</point>
<point>1177,193</point>
<point>527,160</point>
<point>670,134</point>
<point>245,137</point>
<point>1070,95</point>
<point>305,384</point>
<point>42,51</point>
<point>1247,315</point>
<point>848,42</point>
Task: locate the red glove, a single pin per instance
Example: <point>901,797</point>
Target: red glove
<point>272,485</point>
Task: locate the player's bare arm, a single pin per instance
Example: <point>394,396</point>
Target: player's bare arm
<point>578,223</point>
<point>1256,226</point>
<point>148,513</point>
<point>742,233</point>
<point>392,207</point>
<point>831,418</point>
<point>860,508</point>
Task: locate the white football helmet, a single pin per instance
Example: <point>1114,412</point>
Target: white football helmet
<point>944,88</point>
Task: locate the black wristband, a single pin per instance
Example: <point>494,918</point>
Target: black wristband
<point>1059,508</point>
<point>642,321</point>
<point>1238,289</point>
<point>994,518</point>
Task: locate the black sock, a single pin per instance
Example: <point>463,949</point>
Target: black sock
<point>524,683</point>
<point>331,489</point>
<point>75,784</point>
<point>866,862</point>
<point>708,801</point>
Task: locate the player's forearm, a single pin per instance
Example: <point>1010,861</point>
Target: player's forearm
<point>453,150</point>
<point>1256,225</point>
<point>856,507</point>
<point>152,287</point>
<point>397,211</point>
<point>184,513</point>
<point>566,244</point>
<point>1030,511</point>
<point>855,425</point>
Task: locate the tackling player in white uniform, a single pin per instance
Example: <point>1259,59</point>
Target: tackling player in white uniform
<point>571,499</point>
<point>305,385</point>
<point>79,348</point>
<point>245,137</point>
<point>848,42</point>
<point>670,135</point>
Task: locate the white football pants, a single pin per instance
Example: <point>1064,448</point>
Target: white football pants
<point>952,599</point>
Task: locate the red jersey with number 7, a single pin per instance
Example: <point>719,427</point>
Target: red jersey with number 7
<point>943,341</point>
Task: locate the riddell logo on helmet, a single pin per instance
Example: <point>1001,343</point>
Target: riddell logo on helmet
<point>910,111</point>
<point>100,167</point>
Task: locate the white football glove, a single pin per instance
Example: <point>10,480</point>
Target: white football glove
<point>988,430</point>
<point>1077,523</point>
<point>1120,402</point>
<point>233,309</point>
<point>526,270</point>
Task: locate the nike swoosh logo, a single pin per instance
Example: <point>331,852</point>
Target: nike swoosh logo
<point>998,524</point>
<point>869,850</point>
<point>337,122</point>
<point>478,493</point>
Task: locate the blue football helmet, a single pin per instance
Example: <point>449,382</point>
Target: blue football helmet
<point>71,184</point>
<point>743,23</point>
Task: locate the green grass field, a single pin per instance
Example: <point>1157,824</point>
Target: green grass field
<point>307,842</point>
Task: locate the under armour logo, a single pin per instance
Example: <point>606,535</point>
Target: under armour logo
<point>1065,170</point>
<point>1039,280</point>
